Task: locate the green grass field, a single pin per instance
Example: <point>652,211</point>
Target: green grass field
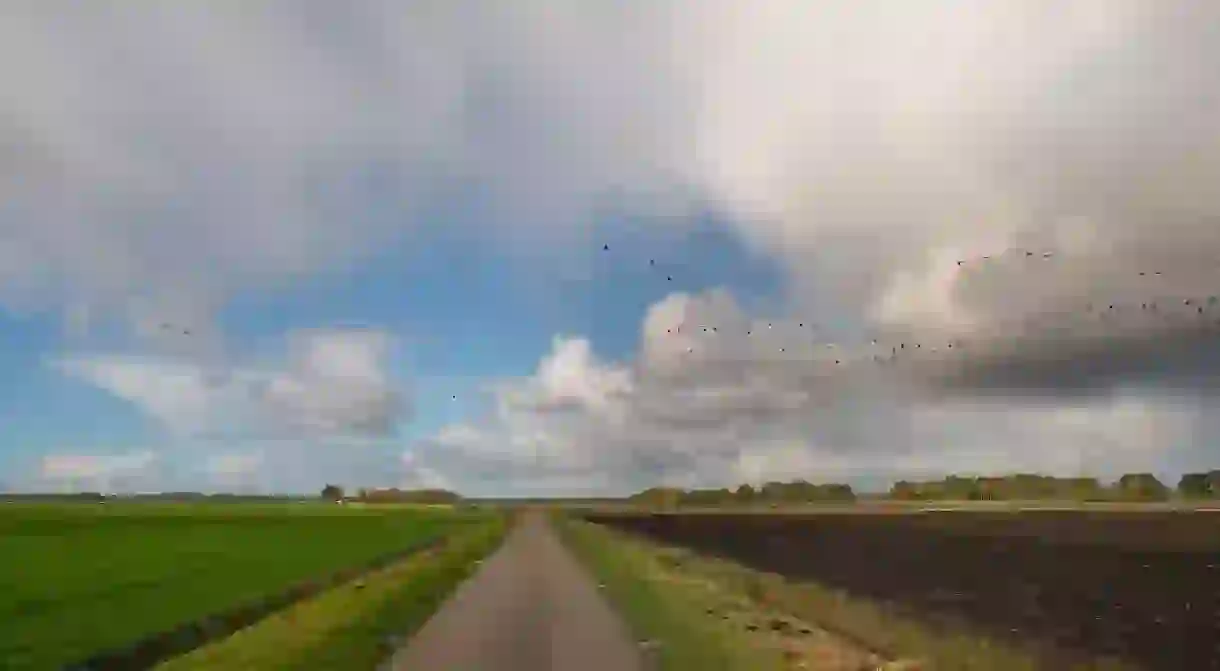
<point>350,627</point>
<point>79,578</point>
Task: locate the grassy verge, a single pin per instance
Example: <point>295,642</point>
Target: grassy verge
<point>358,625</point>
<point>660,610</point>
<point>855,622</point>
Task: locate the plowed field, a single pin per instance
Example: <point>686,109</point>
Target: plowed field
<point>1143,586</point>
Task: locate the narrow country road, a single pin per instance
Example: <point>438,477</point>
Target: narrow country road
<point>531,607</point>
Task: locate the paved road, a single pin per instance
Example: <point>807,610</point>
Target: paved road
<point>531,607</point>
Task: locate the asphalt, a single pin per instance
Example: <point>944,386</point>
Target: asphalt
<point>530,607</point>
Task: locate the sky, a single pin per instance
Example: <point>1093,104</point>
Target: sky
<point>532,248</point>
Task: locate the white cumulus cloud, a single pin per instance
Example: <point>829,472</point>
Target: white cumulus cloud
<point>335,383</point>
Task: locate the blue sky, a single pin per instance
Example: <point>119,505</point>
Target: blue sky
<point>383,226</point>
<point>461,312</point>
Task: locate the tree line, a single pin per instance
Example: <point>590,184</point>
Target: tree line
<point>1030,486</point>
<point>392,495</point>
<point>1013,487</point>
<point>796,491</point>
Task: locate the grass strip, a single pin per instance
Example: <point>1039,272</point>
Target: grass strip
<point>659,610</point>
<point>358,625</point>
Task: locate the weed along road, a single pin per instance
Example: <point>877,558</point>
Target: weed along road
<point>531,607</point>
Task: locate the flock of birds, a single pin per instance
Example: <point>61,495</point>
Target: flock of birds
<point>1091,318</point>
<point>889,350</point>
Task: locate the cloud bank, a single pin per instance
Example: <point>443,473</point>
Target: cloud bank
<point>714,409</point>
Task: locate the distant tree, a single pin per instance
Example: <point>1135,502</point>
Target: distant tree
<point>990,489</point>
<point>1213,482</point>
<point>960,488</point>
<point>801,491</point>
<point>431,496</point>
<point>1141,487</point>
<point>745,493</point>
<point>1085,489</point>
<point>658,497</point>
<point>773,492</point>
<point>1014,486</point>
<point>332,493</point>
<point>667,497</point>
<point>705,497</point>
<point>1194,486</point>
<point>933,490</point>
<point>838,492</point>
<point>904,491</point>
<point>1026,486</point>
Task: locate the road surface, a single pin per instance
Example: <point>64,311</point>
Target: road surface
<point>530,607</point>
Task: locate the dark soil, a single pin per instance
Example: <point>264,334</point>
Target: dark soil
<point>1144,587</point>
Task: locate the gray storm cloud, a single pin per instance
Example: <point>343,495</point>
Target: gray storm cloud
<point>864,146</point>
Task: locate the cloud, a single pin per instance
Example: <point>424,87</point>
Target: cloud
<point>337,383</point>
<point>334,384</point>
<point>100,472</point>
<point>177,394</point>
<point>235,471</point>
<point>921,128</point>
<point>863,146</point>
<point>226,465</point>
<point>867,147</point>
<point>721,407</point>
<point>422,477</point>
<point>142,156</point>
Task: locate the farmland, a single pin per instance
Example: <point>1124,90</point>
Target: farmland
<point>76,579</point>
<point>1139,586</point>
